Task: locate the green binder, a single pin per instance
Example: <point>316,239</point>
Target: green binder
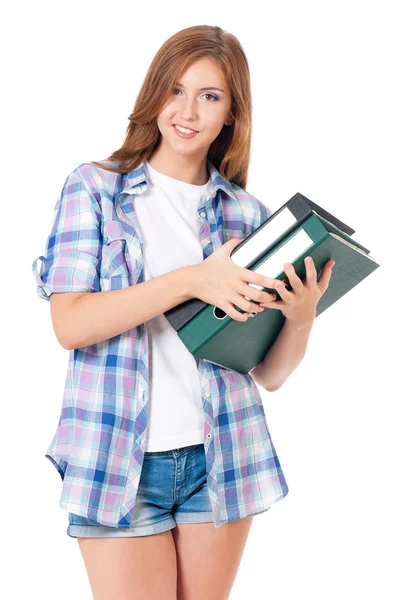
<point>214,336</point>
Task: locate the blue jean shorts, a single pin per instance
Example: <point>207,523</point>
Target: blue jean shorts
<point>172,489</point>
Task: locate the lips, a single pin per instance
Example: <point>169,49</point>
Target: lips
<point>190,128</point>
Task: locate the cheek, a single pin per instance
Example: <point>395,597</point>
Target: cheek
<point>166,116</point>
<point>213,128</point>
<point>215,118</point>
<point>164,126</point>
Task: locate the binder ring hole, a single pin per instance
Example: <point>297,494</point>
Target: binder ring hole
<point>219,313</point>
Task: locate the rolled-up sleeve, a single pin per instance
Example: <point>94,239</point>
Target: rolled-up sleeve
<point>73,249</point>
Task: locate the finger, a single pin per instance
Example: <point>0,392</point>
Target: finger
<point>324,280</point>
<point>257,296</point>
<point>235,314</point>
<point>311,272</point>
<point>257,280</point>
<point>278,304</point>
<point>245,304</point>
<point>294,279</point>
<point>287,296</point>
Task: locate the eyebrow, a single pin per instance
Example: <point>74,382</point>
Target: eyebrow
<point>203,89</point>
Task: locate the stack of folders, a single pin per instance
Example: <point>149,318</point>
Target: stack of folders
<point>297,229</point>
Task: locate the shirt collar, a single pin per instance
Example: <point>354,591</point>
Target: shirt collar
<point>136,181</point>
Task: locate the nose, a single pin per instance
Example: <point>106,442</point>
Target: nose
<point>188,110</point>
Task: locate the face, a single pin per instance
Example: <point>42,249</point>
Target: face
<point>206,111</point>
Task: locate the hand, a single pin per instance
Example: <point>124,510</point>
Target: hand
<point>299,305</point>
<point>219,281</point>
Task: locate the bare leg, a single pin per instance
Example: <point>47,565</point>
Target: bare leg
<point>208,559</point>
<point>135,568</point>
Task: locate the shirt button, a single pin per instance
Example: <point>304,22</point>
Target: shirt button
<point>209,436</point>
<point>202,214</point>
<point>207,394</point>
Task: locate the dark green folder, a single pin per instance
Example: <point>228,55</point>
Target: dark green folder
<point>214,336</point>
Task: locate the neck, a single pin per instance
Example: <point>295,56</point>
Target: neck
<point>181,168</point>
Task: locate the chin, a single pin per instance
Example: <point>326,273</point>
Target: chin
<point>183,151</point>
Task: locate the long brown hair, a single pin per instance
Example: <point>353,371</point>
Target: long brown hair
<point>230,151</point>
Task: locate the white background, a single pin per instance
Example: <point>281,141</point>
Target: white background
<point>324,85</point>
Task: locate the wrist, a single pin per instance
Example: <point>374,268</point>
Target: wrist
<point>307,326</point>
<point>189,281</point>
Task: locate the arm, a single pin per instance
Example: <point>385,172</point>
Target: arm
<point>93,317</point>
<point>285,354</point>
<point>299,308</point>
<point>71,273</point>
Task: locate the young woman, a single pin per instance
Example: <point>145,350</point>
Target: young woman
<point>166,458</point>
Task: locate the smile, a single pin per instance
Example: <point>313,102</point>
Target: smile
<point>184,133</point>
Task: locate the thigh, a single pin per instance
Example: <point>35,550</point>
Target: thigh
<point>208,558</point>
<point>137,568</point>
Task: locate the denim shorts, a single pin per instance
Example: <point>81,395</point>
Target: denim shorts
<point>172,489</point>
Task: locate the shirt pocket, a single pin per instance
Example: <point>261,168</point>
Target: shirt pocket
<point>117,281</point>
<point>114,272</point>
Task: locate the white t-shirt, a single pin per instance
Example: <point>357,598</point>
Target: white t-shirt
<point>167,215</point>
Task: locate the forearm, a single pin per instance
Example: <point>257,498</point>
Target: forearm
<point>98,316</point>
<point>284,356</point>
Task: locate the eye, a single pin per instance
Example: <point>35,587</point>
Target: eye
<point>212,95</point>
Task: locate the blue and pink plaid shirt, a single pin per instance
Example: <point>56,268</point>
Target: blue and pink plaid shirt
<point>99,444</point>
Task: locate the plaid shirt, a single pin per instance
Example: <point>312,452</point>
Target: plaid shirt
<point>98,447</point>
